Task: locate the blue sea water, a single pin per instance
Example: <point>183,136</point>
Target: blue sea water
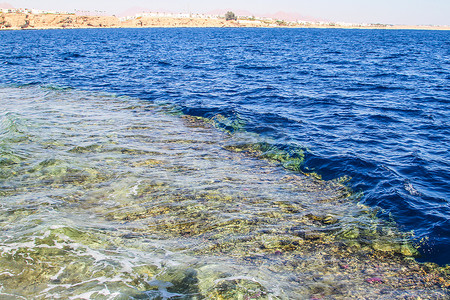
<point>373,105</point>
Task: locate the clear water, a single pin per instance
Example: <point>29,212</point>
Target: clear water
<point>112,197</point>
<point>132,195</point>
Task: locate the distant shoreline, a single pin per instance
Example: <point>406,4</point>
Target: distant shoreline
<point>24,21</point>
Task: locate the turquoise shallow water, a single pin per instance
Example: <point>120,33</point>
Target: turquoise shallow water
<point>107,197</point>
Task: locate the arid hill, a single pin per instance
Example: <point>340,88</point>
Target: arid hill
<point>29,21</point>
<point>43,21</point>
<point>54,21</point>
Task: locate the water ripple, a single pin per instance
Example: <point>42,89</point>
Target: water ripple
<point>372,105</point>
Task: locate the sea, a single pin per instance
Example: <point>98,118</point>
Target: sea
<point>223,163</point>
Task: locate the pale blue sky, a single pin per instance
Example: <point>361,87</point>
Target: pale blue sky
<point>411,12</point>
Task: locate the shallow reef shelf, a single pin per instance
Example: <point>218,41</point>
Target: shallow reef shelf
<point>108,197</point>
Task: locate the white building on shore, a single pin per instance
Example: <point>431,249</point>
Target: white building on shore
<point>29,11</point>
<point>169,15</point>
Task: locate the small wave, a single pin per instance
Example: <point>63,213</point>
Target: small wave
<point>164,63</point>
<point>383,119</point>
<point>256,67</point>
<point>11,63</point>
<point>379,87</point>
<point>21,57</point>
<point>257,91</point>
<point>71,55</point>
<point>13,128</point>
<point>192,66</point>
<point>50,87</point>
<point>395,56</point>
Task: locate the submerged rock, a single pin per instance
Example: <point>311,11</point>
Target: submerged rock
<point>238,288</point>
<point>142,204</point>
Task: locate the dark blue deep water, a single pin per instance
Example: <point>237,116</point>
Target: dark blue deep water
<point>370,104</point>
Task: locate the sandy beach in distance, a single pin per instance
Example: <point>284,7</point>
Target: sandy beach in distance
<point>17,21</point>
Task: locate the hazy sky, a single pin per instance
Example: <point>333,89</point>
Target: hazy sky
<point>411,12</point>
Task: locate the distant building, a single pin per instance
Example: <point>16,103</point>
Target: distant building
<point>37,12</point>
<point>169,15</point>
<point>251,22</point>
<point>30,11</point>
<point>7,10</point>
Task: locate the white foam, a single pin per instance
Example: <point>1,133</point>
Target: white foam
<point>55,277</point>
